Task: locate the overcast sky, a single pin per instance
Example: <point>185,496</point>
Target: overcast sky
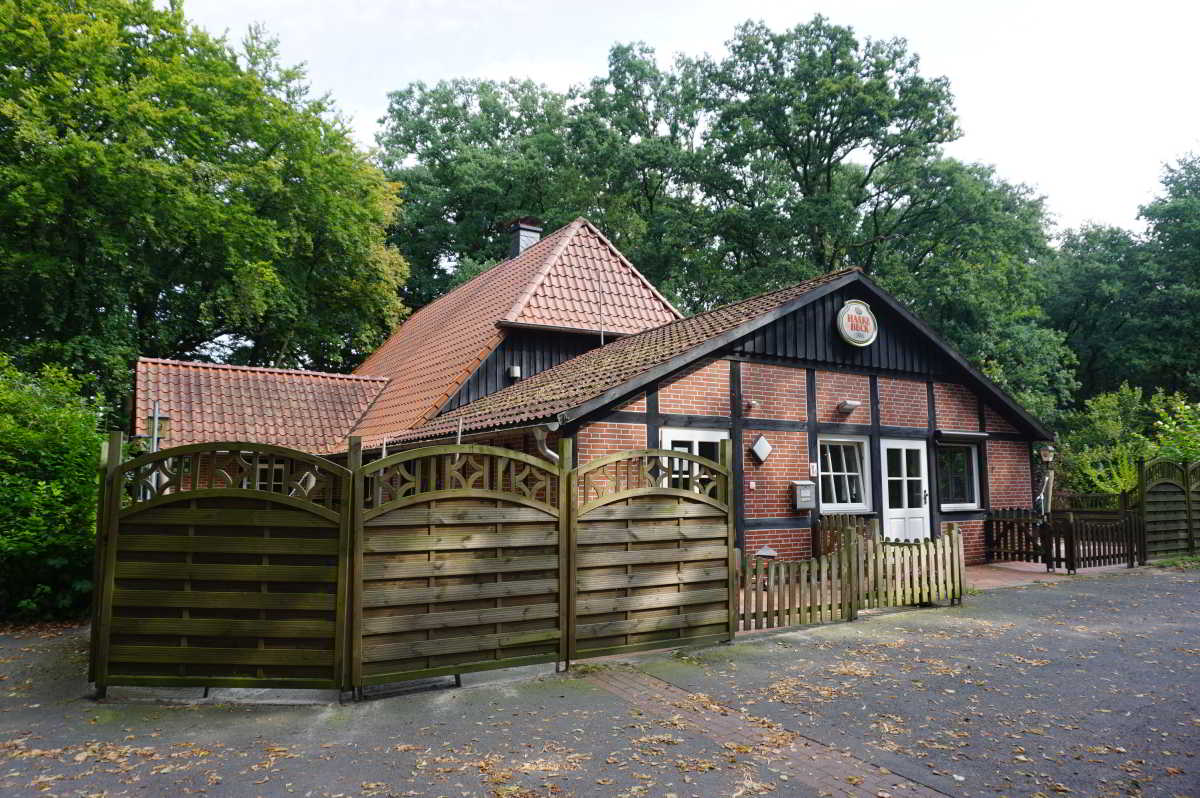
<point>1084,101</point>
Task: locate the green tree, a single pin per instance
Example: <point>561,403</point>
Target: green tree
<point>49,450</point>
<point>162,193</point>
<point>471,156</point>
<point>1168,349</point>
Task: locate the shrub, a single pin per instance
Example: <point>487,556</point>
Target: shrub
<point>49,449</point>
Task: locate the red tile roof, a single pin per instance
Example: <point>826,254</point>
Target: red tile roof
<point>557,282</point>
<point>308,410</point>
<point>588,376</point>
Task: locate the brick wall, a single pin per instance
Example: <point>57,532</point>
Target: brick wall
<point>957,407</point>
<point>781,391</point>
<point>601,438</point>
<point>791,544</point>
<point>903,403</point>
<point>702,392</point>
<point>972,532</point>
<point>635,405</point>
<point>833,387</point>
<point>995,422</point>
<point>1009,479</point>
<point>772,494</point>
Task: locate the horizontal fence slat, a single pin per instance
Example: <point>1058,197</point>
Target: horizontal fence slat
<point>222,544</point>
<point>221,516</point>
<point>446,516</point>
<point>683,554</point>
<point>204,599</point>
<point>595,581</point>
<point>231,573</point>
<point>650,512</point>
<point>595,606</point>
<point>384,595</point>
<point>457,567</point>
<point>397,542</point>
<point>637,625</point>
<point>199,655</point>
<point>223,627</point>
<point>443,620</point>
<point>645,534</point>
<point>382,652</point>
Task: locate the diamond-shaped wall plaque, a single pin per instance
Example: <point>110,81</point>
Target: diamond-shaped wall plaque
<point>761,448</point>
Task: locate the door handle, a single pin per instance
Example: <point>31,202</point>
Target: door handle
<point>925,497</point>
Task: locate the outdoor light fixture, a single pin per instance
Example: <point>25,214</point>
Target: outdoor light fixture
<point>766,552</point>
<point>848,406</point>
<point>1047,454</point>
<point>751,404</point>
<point>761,448</point>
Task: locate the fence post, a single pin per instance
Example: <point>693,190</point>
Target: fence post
<point>106,553</point>
<point>110,458</point>
<point>1189,508</point>
<point>989,536</point>
<point>848,563</point>
<point>351,552</point>
<point>731,536</point>
<point>566,553</point>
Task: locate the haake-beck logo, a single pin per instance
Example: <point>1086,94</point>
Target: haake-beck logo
<point>857,324</point>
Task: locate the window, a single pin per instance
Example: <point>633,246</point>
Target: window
<point>958,477</point>
<point>702,442</point>
<point>844,467</point>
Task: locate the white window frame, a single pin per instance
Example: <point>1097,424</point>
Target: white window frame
<point>864,444</point>
<point>695,436</point>
<point>974,448</point>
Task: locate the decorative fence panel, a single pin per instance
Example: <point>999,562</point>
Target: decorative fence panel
<point>223,565</point>
<point>458,563</point>
<point>861,573</point>
<point>1169,499</point>
<point>652,541</point>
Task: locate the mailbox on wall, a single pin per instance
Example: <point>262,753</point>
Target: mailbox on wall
<point>804,491</point>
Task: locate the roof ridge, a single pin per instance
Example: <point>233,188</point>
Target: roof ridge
<point>268,369</point>
<point>568,232</point>
<point>629,265</point>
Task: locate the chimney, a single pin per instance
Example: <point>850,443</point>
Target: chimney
<point>526,232</point>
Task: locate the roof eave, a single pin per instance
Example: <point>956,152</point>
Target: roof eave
<point>712,345</point>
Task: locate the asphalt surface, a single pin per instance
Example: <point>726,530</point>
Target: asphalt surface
<point>1087,687</point>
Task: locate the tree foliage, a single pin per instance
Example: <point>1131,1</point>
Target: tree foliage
<point>798,152</point>
<point>164,193</point>
<point>49,450</point>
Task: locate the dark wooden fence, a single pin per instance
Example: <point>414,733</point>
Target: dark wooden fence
<point>1168,501</point>
<point>1066,539</point>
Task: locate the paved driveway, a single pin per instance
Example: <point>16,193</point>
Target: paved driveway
<point>1084,687</point>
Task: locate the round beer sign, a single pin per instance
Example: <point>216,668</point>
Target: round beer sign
<point>857,324</point>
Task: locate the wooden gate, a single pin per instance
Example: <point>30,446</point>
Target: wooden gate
<point>652,536</point>
<point>222,565</point>
<point>1169,499</point>
<point>458,563</point>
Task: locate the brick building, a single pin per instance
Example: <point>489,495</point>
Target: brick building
<point>831,382</point>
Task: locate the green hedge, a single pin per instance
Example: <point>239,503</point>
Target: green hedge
<point>49,450</point>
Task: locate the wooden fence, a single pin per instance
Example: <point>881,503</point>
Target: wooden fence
<point>1168,501</point>
<point>861,573</point>
<point>1068,539</point>
<point>222,565</point>
<point>246,565</point>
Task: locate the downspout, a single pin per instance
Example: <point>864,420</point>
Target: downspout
<point>539,435</point>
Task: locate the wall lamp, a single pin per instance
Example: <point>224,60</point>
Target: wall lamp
<point>848,406</point>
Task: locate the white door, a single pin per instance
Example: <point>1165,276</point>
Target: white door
<point>905,490</point>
